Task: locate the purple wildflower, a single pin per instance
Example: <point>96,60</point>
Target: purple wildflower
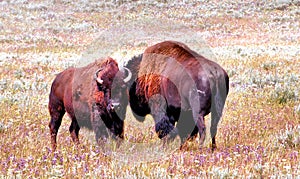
<point>293,155</point>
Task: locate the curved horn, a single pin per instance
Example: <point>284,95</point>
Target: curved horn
<point>129,75</point>
<point>99,80</point>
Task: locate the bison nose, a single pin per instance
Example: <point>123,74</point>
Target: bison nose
<point>115,106</point>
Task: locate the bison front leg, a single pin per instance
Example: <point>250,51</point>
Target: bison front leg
<point>164,124</point>
<point>98,125</point>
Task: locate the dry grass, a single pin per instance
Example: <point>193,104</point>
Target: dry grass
<point>259,135</point>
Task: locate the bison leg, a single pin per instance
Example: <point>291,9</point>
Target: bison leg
<point>193,134</point>
<point>200,124</point>
<point>218,102</point>
<point>101,132</point>
<point>55,122</point>
<point>215,118</point>
<point>201,128</point>
<point>200,108</point>
<point>74,131</point>
<point>164,124</point>
<point>186,126</point>
<point>98,125</point>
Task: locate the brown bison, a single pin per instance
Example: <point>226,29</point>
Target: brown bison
<point>85,94</point>
<point>177,86</point>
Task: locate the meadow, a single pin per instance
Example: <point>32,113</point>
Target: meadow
<point>256,42</point>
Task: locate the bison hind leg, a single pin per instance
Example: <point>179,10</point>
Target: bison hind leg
<point>201,129</point>
<point>215,118</point>
<point>187,128</point>
<point>56,114</point>
<point>218,102</point>
<point>74,131</point>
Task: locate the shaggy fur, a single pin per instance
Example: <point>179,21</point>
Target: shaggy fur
<point>178,86</point>
<point>87,102</point>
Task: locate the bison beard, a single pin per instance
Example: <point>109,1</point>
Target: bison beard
<point>163,127</point>
<point>85,94</point>
<point>164,124</point>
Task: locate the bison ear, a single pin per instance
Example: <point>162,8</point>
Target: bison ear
<point>98,79</point>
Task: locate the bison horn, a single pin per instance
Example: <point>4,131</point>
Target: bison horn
<point>99,80</point>
<point>129,75</point>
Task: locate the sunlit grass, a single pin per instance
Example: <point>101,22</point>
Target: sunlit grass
<point>257,136</point>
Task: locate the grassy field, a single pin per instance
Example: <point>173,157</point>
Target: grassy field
<point>256,42</point>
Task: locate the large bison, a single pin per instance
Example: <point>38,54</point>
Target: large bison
<point>177,86</point>
<point>85,94</point>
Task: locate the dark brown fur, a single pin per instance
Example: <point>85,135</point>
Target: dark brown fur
<point>178,86</point>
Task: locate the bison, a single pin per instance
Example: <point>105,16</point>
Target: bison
<point>178,87</point>
<point>85,94</point>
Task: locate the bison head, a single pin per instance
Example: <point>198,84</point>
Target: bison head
<point>119,91</point>
<point>115,87</point>
<point>112,84</point>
